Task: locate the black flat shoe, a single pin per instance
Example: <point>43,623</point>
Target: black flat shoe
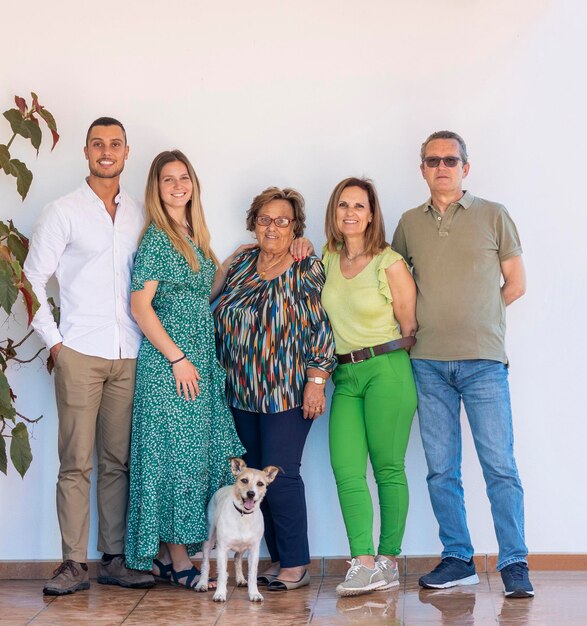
<point>288,585</point>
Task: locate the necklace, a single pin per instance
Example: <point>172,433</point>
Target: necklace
<point>350,259</point>
<point>184,226</point>
<point>263,272</point>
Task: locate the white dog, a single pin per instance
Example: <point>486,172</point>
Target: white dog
<point>235,522</point>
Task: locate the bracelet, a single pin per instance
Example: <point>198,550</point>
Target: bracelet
<point>181,358</point>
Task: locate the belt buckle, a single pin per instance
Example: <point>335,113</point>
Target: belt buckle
<point>353,357</point>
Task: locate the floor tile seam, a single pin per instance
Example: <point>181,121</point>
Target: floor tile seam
<point>51,600</point>
<point>313,609</point>
<point>145,593</point>
<point>231,589</point>
<point>492,598</point>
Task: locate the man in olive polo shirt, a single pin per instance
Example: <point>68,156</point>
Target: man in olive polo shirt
<point>466,258</point>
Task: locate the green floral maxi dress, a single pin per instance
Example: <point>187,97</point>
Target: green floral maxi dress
<point>179,448</point>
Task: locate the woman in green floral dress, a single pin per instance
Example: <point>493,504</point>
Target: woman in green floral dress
<point>183,433</point>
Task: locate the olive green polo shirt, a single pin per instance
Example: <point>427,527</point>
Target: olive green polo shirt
<point>456,259</point>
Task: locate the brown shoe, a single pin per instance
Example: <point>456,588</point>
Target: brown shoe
<point>117,573</point>
<point>70,576</point>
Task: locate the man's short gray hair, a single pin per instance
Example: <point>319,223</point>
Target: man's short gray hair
<point>446,134</point>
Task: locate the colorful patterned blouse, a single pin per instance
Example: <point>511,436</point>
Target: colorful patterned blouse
<point>269,332</point>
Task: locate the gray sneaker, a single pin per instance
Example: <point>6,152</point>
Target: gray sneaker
<point>389,571</point>
<point>360,579</point>
<point>115,572</point>
<point>69,577</point>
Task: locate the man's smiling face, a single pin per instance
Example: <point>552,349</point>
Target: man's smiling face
<point>106,151</point>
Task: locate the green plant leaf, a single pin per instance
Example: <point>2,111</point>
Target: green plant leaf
<point>3,459</point>
<point>4,158</point>
<point>15,117</point>
<point>16,272</point>
<point>20,449</point>
<point>17,232</point>
<point>24,127</point>
<point>17,248</point>
<point>7,411</point>
<point>50,120</point>
<point>55,310</point>
<point>35,133</point>
<point>24,177</point>
<point>8,290</point>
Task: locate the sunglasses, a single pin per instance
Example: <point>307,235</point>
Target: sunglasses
<point>449,161</point>
<point>280,222</point>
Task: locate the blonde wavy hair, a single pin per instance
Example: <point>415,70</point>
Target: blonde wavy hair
<point>375,233</point>
<point>194,213</point>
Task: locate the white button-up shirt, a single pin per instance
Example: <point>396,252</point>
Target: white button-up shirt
<point>92,258</point>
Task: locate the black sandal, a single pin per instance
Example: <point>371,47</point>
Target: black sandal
<point>164,570</point>
<point>192,576</point>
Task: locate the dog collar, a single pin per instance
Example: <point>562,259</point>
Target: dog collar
<point>241,511</point>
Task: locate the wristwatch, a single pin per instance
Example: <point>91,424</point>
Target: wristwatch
<point>317,379</point>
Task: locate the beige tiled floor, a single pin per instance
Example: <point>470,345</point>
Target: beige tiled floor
<point>561,600</point>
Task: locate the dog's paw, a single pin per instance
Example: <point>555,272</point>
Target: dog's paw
<point>256,597</point>
<point>241,582</point>
<point>219,596</point>
<point>202,586</point>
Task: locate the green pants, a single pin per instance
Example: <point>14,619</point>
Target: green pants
<point>372,410</point>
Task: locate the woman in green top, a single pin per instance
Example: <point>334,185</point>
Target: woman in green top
<point>370,298</point>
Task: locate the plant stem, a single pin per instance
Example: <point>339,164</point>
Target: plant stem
<point>28,420</point>
<point>25,360</point>
<point>16,345</point>
<point>10,142</point>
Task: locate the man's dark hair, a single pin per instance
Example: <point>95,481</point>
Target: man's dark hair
<point>105,121</point>
<point>446,134</point>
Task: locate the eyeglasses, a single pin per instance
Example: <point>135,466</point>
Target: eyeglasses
<point>280,222</point>
<point>449,161</point>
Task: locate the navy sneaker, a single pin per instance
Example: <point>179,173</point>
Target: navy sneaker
<point>450,572</point>
<point>516,581</point>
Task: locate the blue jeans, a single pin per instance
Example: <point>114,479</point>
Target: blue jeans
<point>482,385</point>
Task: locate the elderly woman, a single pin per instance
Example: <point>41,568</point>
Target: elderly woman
<point>370,298</point>
<point>275,342</point>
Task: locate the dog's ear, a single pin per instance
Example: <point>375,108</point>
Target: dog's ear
<point>271,472</point>
<point>237,465</point>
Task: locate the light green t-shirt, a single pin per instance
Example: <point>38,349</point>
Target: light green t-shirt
<point>360,309</point>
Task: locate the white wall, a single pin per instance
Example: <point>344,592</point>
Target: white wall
<point>304,94</point>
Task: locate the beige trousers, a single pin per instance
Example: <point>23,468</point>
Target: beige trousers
<point>94,404</point>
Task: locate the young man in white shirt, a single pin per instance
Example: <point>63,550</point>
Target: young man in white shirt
<point>88,239</point>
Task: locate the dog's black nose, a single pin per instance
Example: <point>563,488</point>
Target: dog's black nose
<point>250,494</point>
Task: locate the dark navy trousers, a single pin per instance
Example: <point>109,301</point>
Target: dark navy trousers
<point>278,439</point>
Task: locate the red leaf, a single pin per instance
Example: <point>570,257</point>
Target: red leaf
<point>28,300</point>
<point>21,104</point>
<point>34,119</point>
<point>55,137</point>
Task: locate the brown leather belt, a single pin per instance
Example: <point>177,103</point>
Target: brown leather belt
<point>368,353</point>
